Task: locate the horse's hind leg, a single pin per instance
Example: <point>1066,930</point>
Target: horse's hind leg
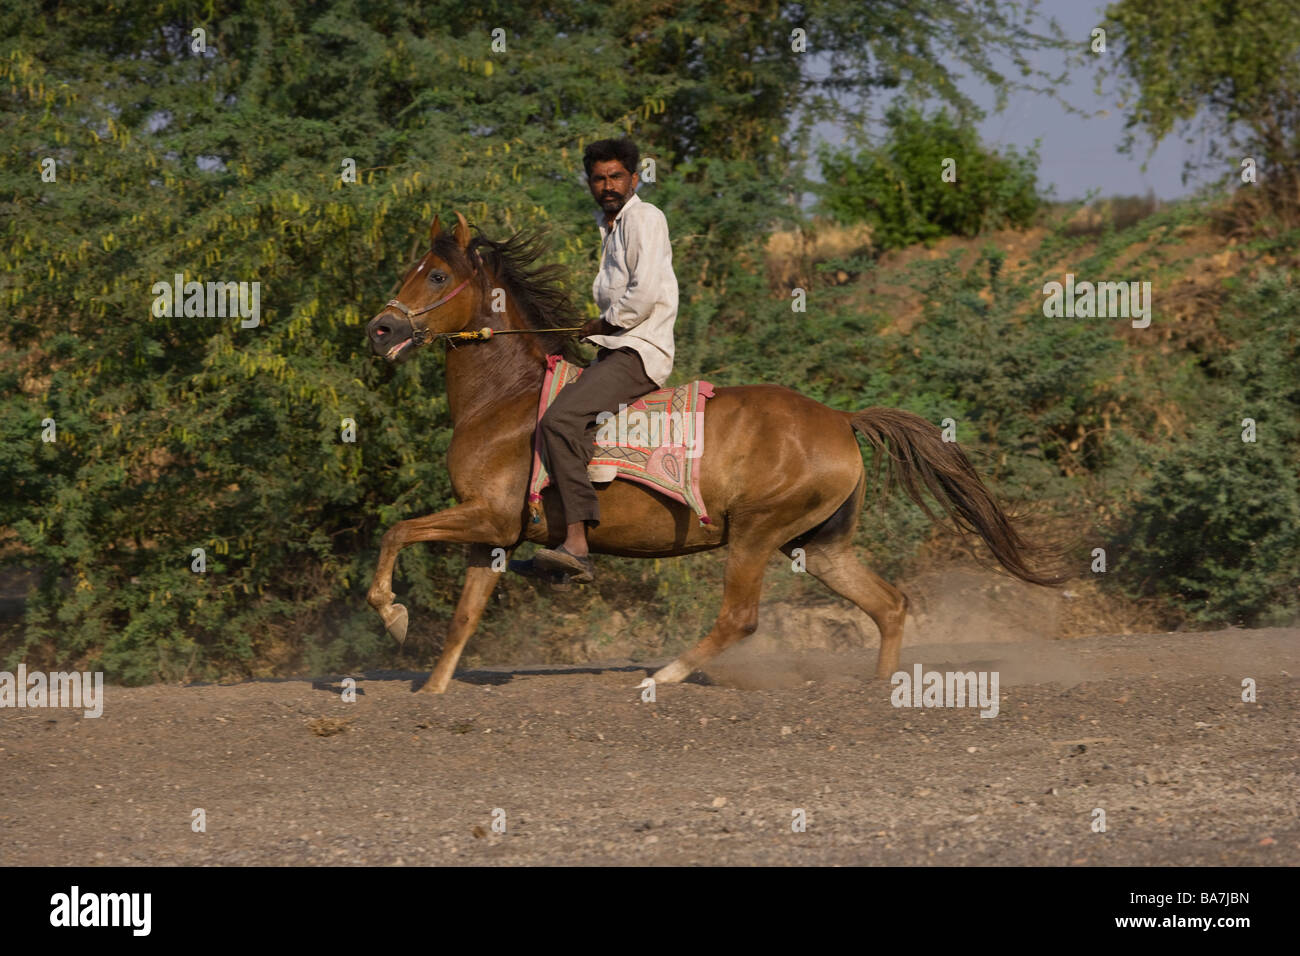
<point>480,581</point>
<point>836,566</point>
<point>742,584</point>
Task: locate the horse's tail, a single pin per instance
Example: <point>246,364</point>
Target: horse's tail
<point>918,456</point>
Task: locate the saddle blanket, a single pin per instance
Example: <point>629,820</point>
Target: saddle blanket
<point>658,440</point>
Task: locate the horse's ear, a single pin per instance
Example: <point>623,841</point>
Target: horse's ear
<point>434,230</point>
<point>462,231</point>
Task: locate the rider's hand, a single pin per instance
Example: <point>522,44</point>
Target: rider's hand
<point>596,327</point>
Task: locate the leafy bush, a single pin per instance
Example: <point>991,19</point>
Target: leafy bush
<point>899,190</point>
<point>1214,532</point>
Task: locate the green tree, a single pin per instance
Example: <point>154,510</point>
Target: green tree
<point>176,433</point>
<point>1221,67</point>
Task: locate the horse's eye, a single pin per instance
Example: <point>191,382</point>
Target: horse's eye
<point>438,277</point>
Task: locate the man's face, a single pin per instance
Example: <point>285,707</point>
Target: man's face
<point>611,185</point>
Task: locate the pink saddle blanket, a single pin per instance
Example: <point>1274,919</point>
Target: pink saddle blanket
<point>658,440</point>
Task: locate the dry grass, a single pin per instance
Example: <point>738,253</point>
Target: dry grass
<point>1118,212</point>
<point>793,255</point>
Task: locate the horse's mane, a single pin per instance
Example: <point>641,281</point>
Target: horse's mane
<point>540,292</point>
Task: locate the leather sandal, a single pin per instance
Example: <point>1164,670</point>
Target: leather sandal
<point>581,570</point>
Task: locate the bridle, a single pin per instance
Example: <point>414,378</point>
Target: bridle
<point>420,336</point>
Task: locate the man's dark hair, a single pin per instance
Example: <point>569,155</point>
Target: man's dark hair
<point>624,150</point>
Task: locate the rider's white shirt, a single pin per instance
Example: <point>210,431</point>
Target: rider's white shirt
<point>636,288</point>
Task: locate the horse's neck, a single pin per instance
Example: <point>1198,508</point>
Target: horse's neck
<point>488,377</point>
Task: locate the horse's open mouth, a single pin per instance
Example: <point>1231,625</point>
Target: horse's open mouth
<point>397,349</point>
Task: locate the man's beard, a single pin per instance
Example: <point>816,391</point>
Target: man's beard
<point>613,202</point>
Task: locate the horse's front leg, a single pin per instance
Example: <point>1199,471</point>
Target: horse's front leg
<point>471,522</point>
<point>480,581</point>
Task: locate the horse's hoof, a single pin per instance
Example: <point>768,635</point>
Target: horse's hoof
<point>431,687</point>
<point>674,673</point>
<point>395,620</point>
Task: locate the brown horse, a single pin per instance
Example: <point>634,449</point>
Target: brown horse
<point>780,471</point>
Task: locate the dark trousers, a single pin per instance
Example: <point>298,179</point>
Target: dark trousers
<point>569,426</point>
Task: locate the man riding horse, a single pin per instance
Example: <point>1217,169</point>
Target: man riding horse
<point>785,473</point>
<point>636,292</point>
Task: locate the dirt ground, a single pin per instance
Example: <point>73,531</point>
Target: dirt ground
<point>1151,729</point>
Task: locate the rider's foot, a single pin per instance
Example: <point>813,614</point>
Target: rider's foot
<point>579,567</point>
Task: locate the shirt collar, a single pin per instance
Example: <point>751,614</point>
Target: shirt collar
<point>600,213</point>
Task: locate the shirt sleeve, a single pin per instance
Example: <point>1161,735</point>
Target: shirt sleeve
<point>649,256</point>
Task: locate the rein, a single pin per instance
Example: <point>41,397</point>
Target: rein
<point>485,333</point>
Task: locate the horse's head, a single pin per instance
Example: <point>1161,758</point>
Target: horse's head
<point>438,295</point>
